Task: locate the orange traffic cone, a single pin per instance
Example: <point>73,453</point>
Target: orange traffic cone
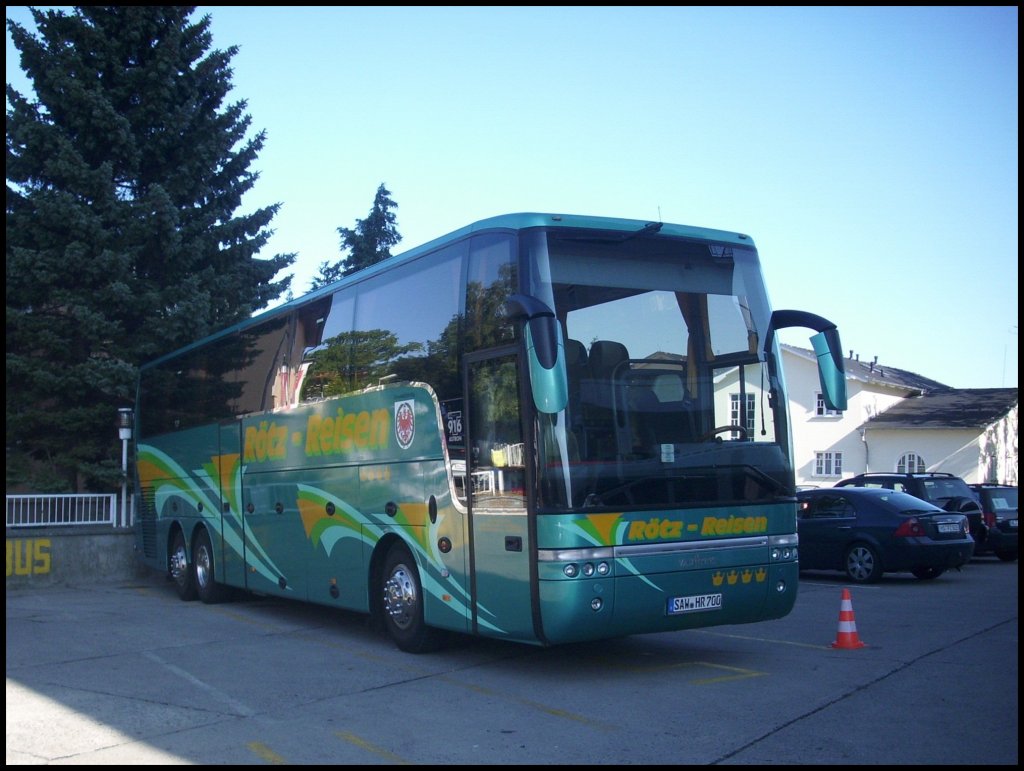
<point>847,637</point>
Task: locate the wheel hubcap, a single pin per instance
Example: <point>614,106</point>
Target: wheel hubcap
<point>202,566</point>
<point>400,597</point>
<point>179,565</point>
<point>861,563</point>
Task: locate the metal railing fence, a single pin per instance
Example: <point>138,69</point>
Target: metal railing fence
<point>56,510</point>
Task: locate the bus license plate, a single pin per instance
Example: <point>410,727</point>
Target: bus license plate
<point>694,603</point>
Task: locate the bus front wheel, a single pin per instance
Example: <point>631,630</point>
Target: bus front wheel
<point>402,603</point>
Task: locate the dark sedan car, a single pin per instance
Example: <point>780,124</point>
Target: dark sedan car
<point>941,488</point>
<point>999,510</point>
<point>868,531</point>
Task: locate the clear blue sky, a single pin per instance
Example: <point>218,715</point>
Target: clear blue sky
<point>871,153</point>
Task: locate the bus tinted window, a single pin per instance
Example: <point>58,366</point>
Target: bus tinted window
<point>492,278</point>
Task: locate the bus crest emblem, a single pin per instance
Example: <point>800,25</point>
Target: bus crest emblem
<point>405,423</point>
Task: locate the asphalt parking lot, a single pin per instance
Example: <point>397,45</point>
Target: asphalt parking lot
<point>125,673</point>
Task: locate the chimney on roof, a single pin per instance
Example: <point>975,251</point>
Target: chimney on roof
<point>851,353</point>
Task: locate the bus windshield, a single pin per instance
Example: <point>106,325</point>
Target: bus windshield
<point>670,399</point>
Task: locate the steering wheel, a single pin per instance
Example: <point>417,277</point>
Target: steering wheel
<point>724,430</point>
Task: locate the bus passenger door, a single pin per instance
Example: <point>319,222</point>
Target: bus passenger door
<point>501,551</point>
<point>227,536</point>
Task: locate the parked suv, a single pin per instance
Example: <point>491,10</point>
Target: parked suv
<point>944,490</point>
<point>999,512</point>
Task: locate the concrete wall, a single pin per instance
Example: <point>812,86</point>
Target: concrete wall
<point>63,556</point>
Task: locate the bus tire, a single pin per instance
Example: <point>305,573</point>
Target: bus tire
<point>180,569</point>
<point>207,588</point>
<point>401,594</point>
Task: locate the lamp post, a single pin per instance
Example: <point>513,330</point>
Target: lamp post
<point>125,418</point>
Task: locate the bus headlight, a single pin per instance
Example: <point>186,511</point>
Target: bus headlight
<point>783,548</point>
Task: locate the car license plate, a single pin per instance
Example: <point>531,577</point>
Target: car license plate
<point>694,603</point>
<point>949,527</point>
<point>1013,523</point>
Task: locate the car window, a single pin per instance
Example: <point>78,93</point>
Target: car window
<point>827,507</point>
<point>944,489</point>
<point>909,505</point>
<point>1003,500</point>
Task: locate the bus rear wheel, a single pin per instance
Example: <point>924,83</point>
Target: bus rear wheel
<point>401,594</point>
<point>207,588</point>
<point>180,570</point>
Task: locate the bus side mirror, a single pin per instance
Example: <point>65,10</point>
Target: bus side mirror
<point>545,352</point>
<point>831,369</point>
<point>827,348</point>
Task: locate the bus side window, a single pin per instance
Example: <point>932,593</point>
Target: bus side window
<point>492,278</point>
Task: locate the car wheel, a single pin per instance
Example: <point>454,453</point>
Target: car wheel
<point>862,564</point>
<point>1007,556</point>
<point>179,568</point>
<point>926,574</point>
<point>401,593</point>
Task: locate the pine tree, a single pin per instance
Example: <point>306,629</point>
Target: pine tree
<point>125,173</point>
<point>367,244</point>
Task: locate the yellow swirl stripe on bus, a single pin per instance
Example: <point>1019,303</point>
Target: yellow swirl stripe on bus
<point>609,530</point>
<point>169,480</point>
<point>602,529</point>
<point>348,522</point>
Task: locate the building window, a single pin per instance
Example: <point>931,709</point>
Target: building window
<point>828,464</point>
<point>822,411</point>
<point>734,411</point>
<point>910,463</point>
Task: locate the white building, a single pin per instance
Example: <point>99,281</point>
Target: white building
<point>898,421</point>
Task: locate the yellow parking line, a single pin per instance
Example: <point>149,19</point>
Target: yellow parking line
<point>766,639</point>
<point>265,753</point>
<point>389,756</point>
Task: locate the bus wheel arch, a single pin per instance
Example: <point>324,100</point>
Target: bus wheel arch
<point>179,567</point>
<point>375,579</point>
<point>399,591</point>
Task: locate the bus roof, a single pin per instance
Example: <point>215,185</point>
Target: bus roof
<point>508,222</point>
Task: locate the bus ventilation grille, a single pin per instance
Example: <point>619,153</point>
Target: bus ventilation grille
<point>147,522</point>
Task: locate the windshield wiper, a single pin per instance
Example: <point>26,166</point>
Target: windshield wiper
<point>649,229</point>
<point>587,237</point>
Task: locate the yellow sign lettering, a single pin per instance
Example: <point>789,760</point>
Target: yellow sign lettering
<point>732,525</point>
<point>26,557</point>
<point>654,529</point>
